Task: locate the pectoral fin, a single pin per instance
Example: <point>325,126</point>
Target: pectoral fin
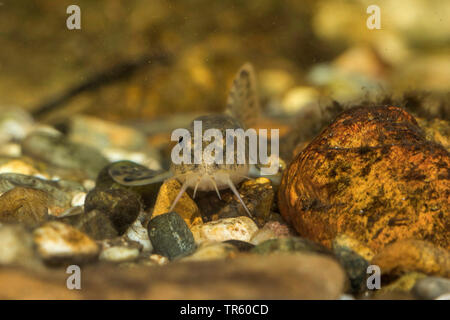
<point>132,174</point>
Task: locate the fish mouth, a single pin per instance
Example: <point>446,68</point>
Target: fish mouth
<point>203,181</point>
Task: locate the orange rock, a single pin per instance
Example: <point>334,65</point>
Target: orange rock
<point>371,175</point>
<point>413,256</point>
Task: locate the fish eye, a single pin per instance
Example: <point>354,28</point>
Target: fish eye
<point>180,140</point>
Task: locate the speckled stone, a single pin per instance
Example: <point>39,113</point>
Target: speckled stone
<point>370,174</point>
<point>170,236</point>
<point>59,243</point>
<point>239,228</point>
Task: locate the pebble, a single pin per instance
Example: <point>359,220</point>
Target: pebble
<point>285,245</point>
<point>59,243</point>
<point>249,277</point>
<point>60,192</point>
<point>431,288</point>
<point>346,241</point>
<point>78,199</point>
<point>24,205</point>
<point>120,250</point>
<point>122,206</point>
<point>403,284</point>
<point>103,134</point>
<point>333,186</point>
<point>158,259</point>
<point>170,236</point>
<point>11,150</point>
<point>271,230</point>
<point>138,233</point>
<point>22,167</point>
<point>95,223</point>
<point>240,228</point>
<point>16,246</point>
<point>211,251</point>
<point>413,255</point>
<point>354,265</point>
<point>242,246</point>
<point>258,196</point>
<point>185,207</point>
<point>301,100</point>
<point>60,152</point>
<point>15,124</point>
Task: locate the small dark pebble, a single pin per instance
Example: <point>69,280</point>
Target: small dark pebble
<point>122,206</point>
<point>95,224</point>
<point>171,236</point>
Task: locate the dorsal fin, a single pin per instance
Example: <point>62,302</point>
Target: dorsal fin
<point>243,103</point>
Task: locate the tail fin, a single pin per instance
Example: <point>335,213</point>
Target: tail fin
<point>243,103</point>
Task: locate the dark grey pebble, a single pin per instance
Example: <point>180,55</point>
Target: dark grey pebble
<point>170,236</point>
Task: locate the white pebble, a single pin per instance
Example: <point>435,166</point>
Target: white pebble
<point>138,233</point>
<point>78,199</point>
<point>239,228</point>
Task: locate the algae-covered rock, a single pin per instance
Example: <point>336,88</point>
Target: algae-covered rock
<point>372,175</point>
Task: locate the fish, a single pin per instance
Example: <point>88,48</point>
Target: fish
<point>242,111</point>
